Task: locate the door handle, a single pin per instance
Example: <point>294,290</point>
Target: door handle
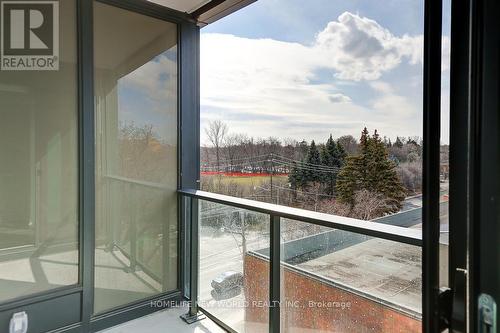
<point>487,314</point>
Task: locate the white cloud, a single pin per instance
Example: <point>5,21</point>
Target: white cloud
<point>358,48</point>
<point>339,98</point>
<point>156,79</point>
<point>389,103</point>
<point>153,87</point>
<point>268,87</point>
<point>446,53</point>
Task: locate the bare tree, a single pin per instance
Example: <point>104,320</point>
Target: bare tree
<point>216,132</point>
<point>142,153</point>
<point>335,207</point>
<point>232,149</point>
<point>349,143</point>
<point>369,205</point>
<point>410,174</point>
<point>289,145</point>
<point>205,158</point>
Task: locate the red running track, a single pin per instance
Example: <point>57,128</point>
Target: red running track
<point>240,174</point>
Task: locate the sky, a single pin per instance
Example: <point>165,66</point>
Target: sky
<point>148,96</point>
<point>303,70</point>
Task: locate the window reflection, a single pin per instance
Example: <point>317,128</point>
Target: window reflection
<point>136,157</point>
<point>39,173</point>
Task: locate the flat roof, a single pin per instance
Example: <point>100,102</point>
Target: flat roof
<point>386,270</point>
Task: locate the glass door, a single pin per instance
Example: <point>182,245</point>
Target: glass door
<point>485,157</point>
<point>39,220</point>
<point>136,157</point>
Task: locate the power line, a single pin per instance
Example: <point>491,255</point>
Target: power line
<point>270,159</point>
<point>298,165</point>
<point>298,191</point>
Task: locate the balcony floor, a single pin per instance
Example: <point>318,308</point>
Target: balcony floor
<point>165,321</point>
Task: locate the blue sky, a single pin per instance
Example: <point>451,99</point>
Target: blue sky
<point>148,95</point>
<point>303,70</point>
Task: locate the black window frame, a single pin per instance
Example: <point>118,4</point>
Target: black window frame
<point>70,309</point>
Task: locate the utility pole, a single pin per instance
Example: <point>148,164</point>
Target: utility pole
<point>272,171</point>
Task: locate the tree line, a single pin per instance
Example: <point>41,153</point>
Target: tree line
<point>363,178</point>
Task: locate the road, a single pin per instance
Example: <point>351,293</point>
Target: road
<point>219,254</point>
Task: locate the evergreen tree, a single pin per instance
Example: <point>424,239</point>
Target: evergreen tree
<point>313,158</point>
<point>332,156</point>
<point>295,178</point>
<point>303,147</point>
<point>352,175</point>
<point>373,171</point>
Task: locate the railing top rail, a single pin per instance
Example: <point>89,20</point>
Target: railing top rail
<point>368,228</point>
<point>131,181</point>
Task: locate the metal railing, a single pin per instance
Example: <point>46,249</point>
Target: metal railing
<point>276,213</point>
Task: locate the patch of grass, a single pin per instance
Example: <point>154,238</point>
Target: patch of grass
<point>250,180</point>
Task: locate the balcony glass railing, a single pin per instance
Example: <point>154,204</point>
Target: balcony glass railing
<point>136,241</point>
<point>269,268</point>
<point>227,236</point>
<point>132,211</point>
<point>338,281</point>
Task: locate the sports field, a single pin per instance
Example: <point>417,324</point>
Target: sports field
<point>250,179</point>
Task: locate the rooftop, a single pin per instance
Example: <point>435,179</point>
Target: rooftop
<point>379,269</point>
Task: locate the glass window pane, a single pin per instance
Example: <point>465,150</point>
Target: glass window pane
<point>339,281</point>
<point>321,108</point>
<point>290,106</point>
<point>136,156</point>
<point>445,148</point>
<point>39,172</point>
<point>234,271</point>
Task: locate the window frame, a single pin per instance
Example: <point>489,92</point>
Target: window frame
<point>42,306</point>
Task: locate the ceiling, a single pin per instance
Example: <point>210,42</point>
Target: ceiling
<point>186,6</point>
<point>208,14</point>
<point>125,40</point>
